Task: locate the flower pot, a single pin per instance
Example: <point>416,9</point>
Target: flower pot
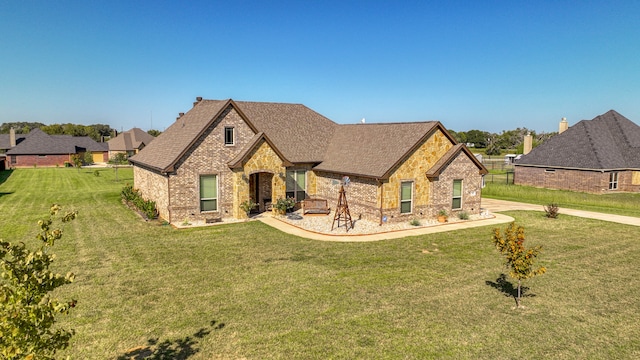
<point>442,218</point>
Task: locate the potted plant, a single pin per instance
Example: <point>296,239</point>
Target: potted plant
<point>284,205</point>
<point>442,215</point>
<point>247,206</point>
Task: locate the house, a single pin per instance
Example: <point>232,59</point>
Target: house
<point>129,142</point>
<point>40,149</point>
<point>224,152</point>
<point>596,156</point>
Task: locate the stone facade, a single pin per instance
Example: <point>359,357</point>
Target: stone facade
<point>262,178</point>
<point>262,160</point>
<point>575,180</point>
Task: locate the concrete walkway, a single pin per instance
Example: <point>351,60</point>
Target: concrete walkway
<point>502,205</point>
<point>493,206</point>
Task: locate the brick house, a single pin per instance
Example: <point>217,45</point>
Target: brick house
<point>595,156</point>
<point>129,142</point>
<point>40,149</point>
<point>224,152</point>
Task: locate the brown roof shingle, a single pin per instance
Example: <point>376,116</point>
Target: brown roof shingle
<point>130,140</point>
<point>372,150</point>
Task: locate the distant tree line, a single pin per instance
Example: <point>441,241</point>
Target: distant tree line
<point>96,131</point>
<point>494,143</point>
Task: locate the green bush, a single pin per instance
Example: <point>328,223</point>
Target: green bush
<point>285,204</point>
<point>132,196</point>
<point>463,215</point>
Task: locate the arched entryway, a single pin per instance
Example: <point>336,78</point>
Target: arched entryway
<point>260,190</point>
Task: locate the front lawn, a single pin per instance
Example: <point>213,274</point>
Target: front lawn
<point>621,203</point>
<point>248,291</point>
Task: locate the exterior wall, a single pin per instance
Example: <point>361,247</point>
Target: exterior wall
<point>153,186</point>
<point>40,160</point>
<point>575,180</point>
<point>415,169</point>
<point>461,168</point>
<point>209,156</point>
<point>362,194</point>
<point>261,160</point>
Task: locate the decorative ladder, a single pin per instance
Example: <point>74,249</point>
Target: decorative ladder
<point>342,211</point>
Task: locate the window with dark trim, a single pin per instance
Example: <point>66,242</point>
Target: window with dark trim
<point>296,184</point>
<point>457,195</point>
<point>208,192</point>
<point>613,181</point>
<point>406,197</point>
<point>229,136</point>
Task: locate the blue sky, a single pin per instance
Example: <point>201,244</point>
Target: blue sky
<point>488,65</point>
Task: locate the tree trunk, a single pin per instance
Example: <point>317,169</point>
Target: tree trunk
<point>518,298</point>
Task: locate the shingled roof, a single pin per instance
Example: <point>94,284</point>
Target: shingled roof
<point>607,142</point>
<point>299,135</point>
<point>130,140</point>
<point>38,142</point>
<point>373,150</point>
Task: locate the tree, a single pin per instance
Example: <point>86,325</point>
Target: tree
<point>154,132</point>
<point>518,259</point>
<point>77,161</point>
<point>27,311</point>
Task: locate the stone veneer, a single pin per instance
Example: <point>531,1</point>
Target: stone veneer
<point>262,159</point>
<point>575,180</point>
<point>363,194</point>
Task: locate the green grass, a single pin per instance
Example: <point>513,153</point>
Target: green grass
<point>248,291</point>
<point>613,203</point>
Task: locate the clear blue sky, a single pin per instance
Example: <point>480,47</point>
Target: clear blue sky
<point>488,65</point>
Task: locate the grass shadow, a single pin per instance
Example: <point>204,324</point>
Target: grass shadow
<point>507,288</point>
<point>4,175</point>
<point>177,349</point>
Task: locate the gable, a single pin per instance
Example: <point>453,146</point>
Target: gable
<point>376,150</point>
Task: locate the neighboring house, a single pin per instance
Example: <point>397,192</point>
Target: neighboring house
<point>40,149</point>
<point>129,142</point>
<point>595,156</point>
<point>224,152</point>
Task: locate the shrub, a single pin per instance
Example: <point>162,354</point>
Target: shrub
<point>247,206</point>
<point>414,222</point>
<point>132,196</point>
<point>282,205</point>
<point>551,211</point>
<point>463,215</point>
<point>96,173</point>
<point>27,308</point>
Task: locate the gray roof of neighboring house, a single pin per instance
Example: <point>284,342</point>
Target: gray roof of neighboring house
<point>5,140</point>
<point>130,140</point>
<point>607,142</point>
<point>299,134</point>
<point>38,142</point>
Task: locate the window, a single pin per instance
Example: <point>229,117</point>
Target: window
<point>228,136</point>
<point>14,160</point>
<point>296,184</point>
<point>457,195</point>
<point>613,181</point>
<point>208,193</point>
<point>406,197</point>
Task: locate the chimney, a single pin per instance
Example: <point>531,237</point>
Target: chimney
<point>198,99</point>
<point>12,137</point>
<point>564,125</point>
<point>528,144</point>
